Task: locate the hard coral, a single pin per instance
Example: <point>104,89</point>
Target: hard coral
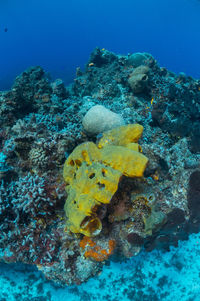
<point>27,228</point>
<point>92,176</point>
<point>99,119</point>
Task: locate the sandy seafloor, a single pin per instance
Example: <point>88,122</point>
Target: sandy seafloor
<point>151,276</point>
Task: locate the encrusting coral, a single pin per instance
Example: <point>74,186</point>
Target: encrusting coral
<point>92,175</point>
<point>94,251</point>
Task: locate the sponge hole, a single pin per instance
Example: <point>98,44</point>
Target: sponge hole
<point>101,186</point>
<point>78,163</point>
<point>92,175</point>
<point>72,163</point>
<point>103,171</point>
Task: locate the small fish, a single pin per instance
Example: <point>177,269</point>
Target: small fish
<point>152,101</point>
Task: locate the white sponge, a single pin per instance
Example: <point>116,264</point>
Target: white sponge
<point>99,119</point>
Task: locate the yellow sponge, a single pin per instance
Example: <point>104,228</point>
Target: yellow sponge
<point>93,185</point>
<point>131,163</point>
<point>92,175</point>
<point>86,152</point>
<point>121,135</point>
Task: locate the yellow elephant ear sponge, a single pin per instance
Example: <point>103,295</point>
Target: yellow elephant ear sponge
<point>92,175</point>
<point>121,135</point>
<point>86,152</point>
<point>92,186</point>
<point>129,162</point>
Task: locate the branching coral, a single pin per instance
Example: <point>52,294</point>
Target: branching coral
<point>26,206</point>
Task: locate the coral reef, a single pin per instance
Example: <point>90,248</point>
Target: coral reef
<point>41,129</point>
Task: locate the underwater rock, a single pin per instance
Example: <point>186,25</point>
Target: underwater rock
<point>194,198</point>
<point>195,141</point>
<point>59,89</point>
<point>100,57</point>
<point>29,90</point>
<point>99,119</point>
<point>177,106</point>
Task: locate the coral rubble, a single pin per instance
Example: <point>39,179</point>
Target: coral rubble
<point>41,128</point>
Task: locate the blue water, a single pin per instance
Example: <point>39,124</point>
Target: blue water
<point>60,35</point>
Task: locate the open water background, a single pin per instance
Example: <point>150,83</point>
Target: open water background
<point>60,35</point>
